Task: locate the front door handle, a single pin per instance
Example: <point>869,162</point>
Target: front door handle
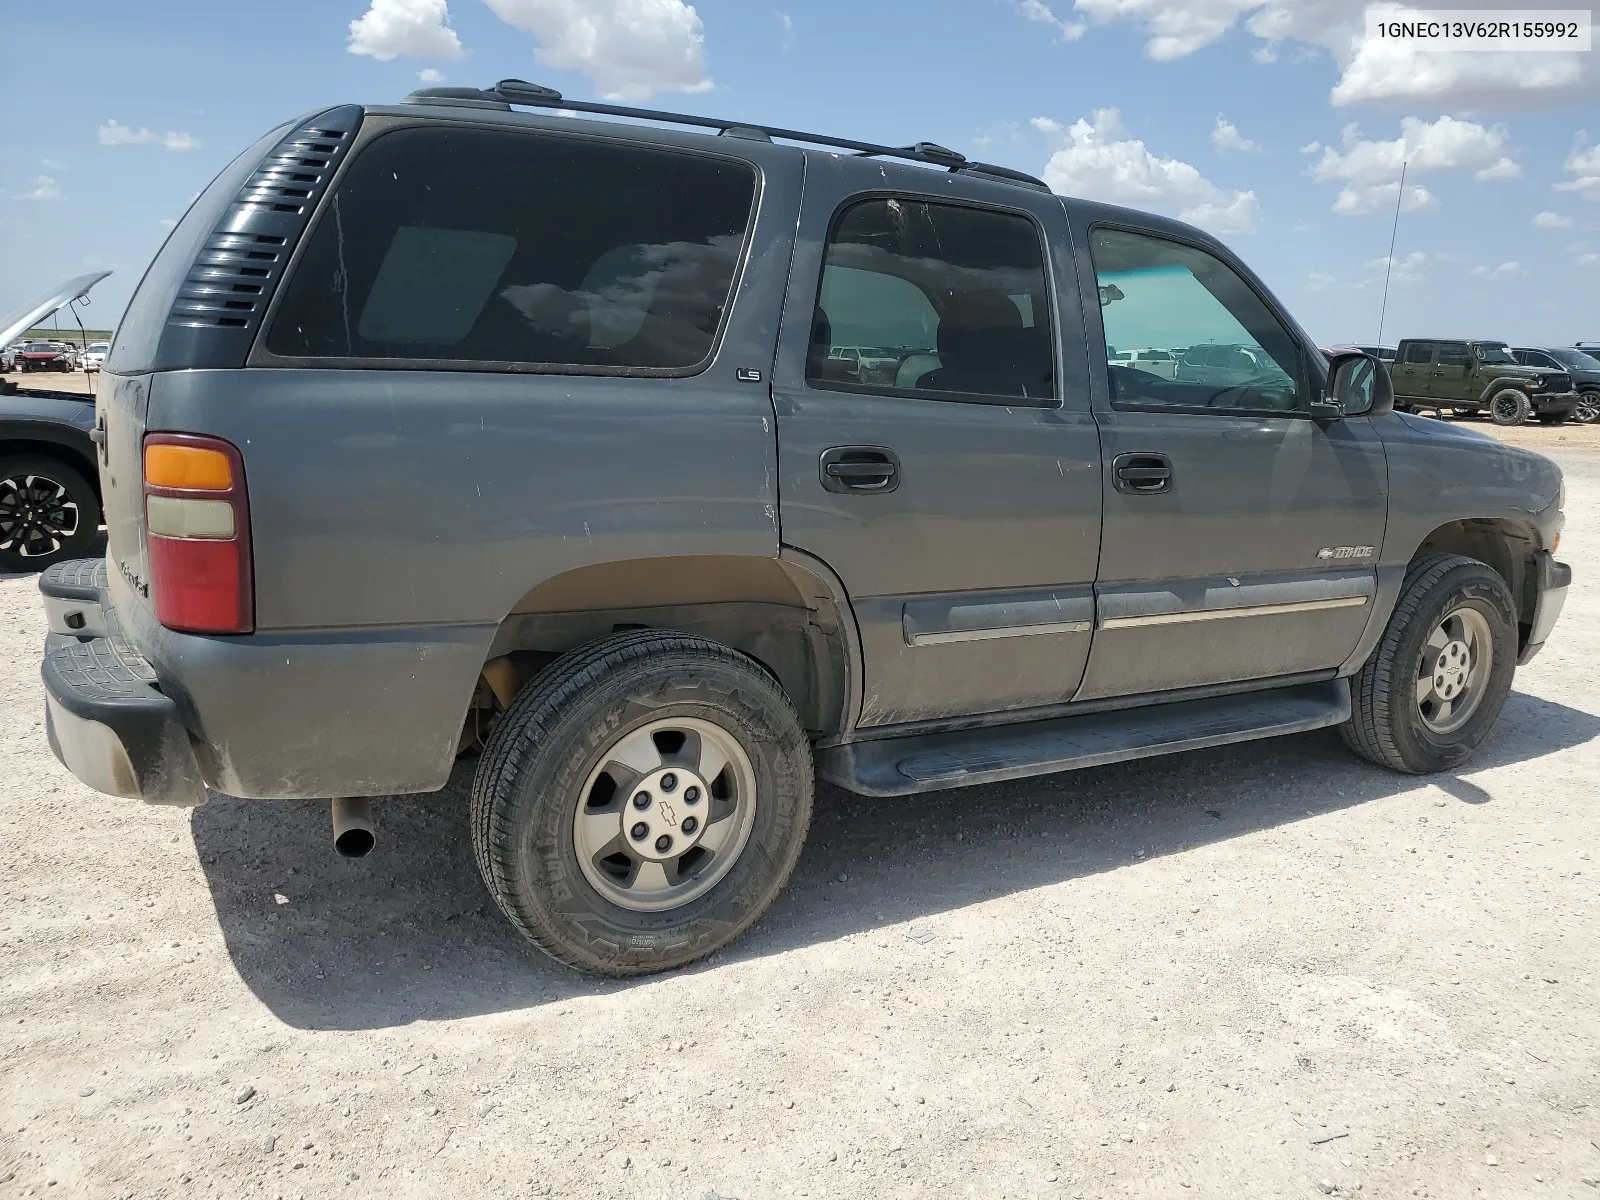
<point>858,470</point>
<point>1141,474</point>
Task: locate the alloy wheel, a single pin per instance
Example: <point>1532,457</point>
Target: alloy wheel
<point>37,516</point>
<point>1456,662</point>
<point>665,814</point>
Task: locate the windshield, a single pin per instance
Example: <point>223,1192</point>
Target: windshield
<point>1576,359</point>
<point>1493,352</point>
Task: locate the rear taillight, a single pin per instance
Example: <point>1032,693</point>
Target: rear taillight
<point>198,519</point>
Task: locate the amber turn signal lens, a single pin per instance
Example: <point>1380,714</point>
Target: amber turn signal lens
<point>190,467</point>
<point>1555,545</point>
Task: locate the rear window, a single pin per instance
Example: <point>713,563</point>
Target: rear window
<point>486,246</point>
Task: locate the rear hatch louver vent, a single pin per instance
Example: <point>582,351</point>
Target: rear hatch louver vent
<point>233,276</point>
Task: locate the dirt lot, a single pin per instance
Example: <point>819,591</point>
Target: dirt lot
<point>1254,972</point>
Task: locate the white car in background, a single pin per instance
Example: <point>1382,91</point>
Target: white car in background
<point>1151,361</point>
<point>93,355</point>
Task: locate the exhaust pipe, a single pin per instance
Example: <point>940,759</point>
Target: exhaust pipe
<point>352,826</point>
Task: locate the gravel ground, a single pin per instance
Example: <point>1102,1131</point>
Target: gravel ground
<point>1260,971</point>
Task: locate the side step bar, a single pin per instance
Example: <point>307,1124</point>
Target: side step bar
<point>926,762</point>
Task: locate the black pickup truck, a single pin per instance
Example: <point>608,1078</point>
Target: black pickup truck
<point>49,480</point>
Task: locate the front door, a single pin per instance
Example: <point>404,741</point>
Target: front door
<point>1453,381</point>
<point>936,448</point>
<point>1239,534</point>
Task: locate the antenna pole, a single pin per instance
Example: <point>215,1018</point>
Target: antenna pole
<point>1388,265</point>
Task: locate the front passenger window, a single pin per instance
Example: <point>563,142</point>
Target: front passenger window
<point>1231,352</point>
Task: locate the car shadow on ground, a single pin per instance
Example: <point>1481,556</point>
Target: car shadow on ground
<point>409,934</point>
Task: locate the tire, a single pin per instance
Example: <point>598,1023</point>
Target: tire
<point>1389,720</point>
<point>33,533</point>
<point>1587,410</point>
<point>1509,407</point>
<point>550,759</point>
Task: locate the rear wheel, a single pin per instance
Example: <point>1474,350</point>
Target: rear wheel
<point>642,803</point>
<point>48,512</point>
<point>1587,410</point>
<point>1509,407</point>
<point>1434,686</point>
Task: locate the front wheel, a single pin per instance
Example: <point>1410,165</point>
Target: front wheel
<point>1587,410</point>
<point>1435,684</point>
<point>48,512</point>
<point>1509,407</point>
<point>642,803</point>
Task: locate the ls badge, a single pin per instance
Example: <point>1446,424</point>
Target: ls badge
<point>1345,552</point>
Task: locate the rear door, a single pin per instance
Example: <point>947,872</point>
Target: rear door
<point>955,490</point>
<point>1239,534</point>
<point>1415,377</point>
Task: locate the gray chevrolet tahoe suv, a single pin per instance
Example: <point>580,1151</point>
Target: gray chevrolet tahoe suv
<point>448,427</point>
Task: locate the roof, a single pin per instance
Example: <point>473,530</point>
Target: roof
<point>532,95</point>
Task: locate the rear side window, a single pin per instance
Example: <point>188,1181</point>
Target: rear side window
<point>1419,353</point>
<point>484,246</point>
<point>937,300</point>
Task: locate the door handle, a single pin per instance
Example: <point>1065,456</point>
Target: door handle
<point>1141,474</point>
<point>860,469</point>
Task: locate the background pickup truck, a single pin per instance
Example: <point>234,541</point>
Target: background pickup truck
<point>1474,376</point>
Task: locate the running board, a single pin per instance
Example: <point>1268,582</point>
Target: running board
<point>929,761</point>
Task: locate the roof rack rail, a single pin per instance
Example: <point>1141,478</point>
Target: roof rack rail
<point>519,91</point>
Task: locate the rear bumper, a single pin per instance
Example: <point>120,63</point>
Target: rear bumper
<point>1552,581</point>
<point>107,721</point>
<point>139,710</point>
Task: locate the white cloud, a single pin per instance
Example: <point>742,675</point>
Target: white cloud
<point>1096,158</point>
<point>431,75</point>
<point>786,25</point>
<point>1355,200</point>
<point>114,133</point>
<point>1402,270</point>
<point>1310,147</point>
<point>1371,71</point>
<point>43,188</point>
<point>414,28</point>
<point>1067,31</point>
<point>1225,136</point>
<point>630,48</point>
<point>1589,260</point>
<point>1550,220</point>
<point>1504,270</point>
<point>1370,170</point>
<point>1504,169</point>
<point>1584,167</point>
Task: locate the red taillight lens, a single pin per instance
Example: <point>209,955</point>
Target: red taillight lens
<point>198,522</point>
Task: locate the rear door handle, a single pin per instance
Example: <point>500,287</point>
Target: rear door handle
<point>1142,474</point>
<point>859,470</point>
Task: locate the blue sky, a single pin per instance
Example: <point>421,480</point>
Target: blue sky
<point>1275,123</point>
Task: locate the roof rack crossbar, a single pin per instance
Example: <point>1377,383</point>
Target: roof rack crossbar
<point>533,95</point>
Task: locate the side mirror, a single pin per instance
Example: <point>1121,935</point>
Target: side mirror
<point>1358,386</point>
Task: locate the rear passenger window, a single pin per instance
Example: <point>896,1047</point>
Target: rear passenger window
<point>452,246</point>
<point>934,300</point>
<point>1420,355</point>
